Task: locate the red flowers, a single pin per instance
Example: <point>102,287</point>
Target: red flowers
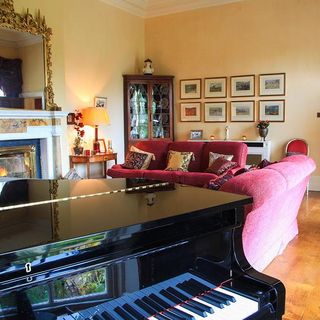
<point>78,126</point>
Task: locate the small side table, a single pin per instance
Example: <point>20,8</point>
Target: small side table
<point>99,157</point>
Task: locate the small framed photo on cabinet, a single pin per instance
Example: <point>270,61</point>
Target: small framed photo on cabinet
<point>215,112</point>
<point>190,89</point>
<point>272,110</point>
<point>190,111</point>
<point>196,134</point>
<point>273,84</point>
<point>242,111</point>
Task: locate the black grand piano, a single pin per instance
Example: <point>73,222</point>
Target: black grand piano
<point>127,249</point>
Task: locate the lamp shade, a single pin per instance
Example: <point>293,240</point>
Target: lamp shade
<point>95,116</point>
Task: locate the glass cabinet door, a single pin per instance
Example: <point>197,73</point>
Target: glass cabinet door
<point>138,100</point>
<point>160,111</point>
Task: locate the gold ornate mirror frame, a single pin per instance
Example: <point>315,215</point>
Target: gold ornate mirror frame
<point>37,26</point>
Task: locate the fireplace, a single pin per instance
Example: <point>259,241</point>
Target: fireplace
<point>20,159</point>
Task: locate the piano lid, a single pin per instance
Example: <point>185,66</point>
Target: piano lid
<point>37,212</point>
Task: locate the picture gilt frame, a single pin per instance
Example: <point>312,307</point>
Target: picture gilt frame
<point>215,87</point>
<point>242,111</point>
<point>190,89</point>
<point>196,134</point>
<point>272,110</point>
<point>242,86</point>
<point>26,22</point>
<point>190,112</point>
<point>215,112</point>
<point>272,84</point>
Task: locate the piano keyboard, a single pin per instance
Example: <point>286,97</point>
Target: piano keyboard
<point>183,297</point>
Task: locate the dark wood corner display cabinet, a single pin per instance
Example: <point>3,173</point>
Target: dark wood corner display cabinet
<point>148,108</point>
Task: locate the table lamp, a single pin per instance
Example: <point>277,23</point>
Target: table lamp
<point>95,116</point>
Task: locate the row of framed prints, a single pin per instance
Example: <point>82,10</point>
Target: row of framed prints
<point>271,84</point>
<point>240,111</point>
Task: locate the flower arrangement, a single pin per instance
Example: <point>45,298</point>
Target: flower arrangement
<point>263,124</point>
<point>78,126</point>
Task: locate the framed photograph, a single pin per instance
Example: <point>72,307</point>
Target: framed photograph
<point>242,86</point>
<point>196,134</point>
<point>272,84</point>
<point>190,89</point>
<point>242,111</point>
<point>102,146</point>
<point>100,102</point>
<point>215,87</point>
<point>190,111</point>
<point>272,110</point>
<point>215,112</point>
<point>71,117</point>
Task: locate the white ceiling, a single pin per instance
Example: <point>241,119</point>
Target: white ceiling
<point>153,8</point>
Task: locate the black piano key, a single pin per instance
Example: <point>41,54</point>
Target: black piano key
<point>209,293</point>
<point>163,303</point>
<point>152,303</point>
<point>106,315</point>
<point>97,317</point>
<point>218,293</point>
<point>204,297</point>
<point>197,304</point>
<point>145,307</point>
<point>133,311</point>
<point>176,300</point>
<point>123,313</point>
<point>163,317</point>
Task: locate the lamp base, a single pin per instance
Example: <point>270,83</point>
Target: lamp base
<point>96,147</point>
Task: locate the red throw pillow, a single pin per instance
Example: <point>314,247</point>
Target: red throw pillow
<point>221,166</point>
<point>134,160</point>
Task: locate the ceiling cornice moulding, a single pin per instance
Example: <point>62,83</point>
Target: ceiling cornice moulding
<point>155,8</point>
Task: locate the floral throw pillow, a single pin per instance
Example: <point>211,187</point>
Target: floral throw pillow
<point>216,184</point>
<point>150,156</point>
<point>134,160</point>
<point>220,166</point>
<point>213,156</point>
<point>178,161</point>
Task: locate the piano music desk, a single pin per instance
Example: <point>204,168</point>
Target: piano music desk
<point>88,160</point>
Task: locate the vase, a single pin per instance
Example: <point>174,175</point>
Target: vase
<point>263,132</point>
<point>78,151</point>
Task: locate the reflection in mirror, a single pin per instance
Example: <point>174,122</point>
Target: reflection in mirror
<point>25,49</point>
<point>21,70</point>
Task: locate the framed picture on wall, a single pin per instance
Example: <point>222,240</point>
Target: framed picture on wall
<point>190,89</point>
<point>100,102</point>
<point>242,111</point>
<point>272,84</point>
<point>215,112</point>
<point>242,86</point>
<point>272,110</point>
<point>190,111</point>
<point>215,87</point>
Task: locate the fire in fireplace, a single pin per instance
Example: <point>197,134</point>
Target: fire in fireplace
<point>18,161</point>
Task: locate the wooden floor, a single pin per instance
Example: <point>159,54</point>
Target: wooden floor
<point>299,266</point>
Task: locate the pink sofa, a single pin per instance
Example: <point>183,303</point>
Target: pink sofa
<point>271,221</point>
<point>196,174</point>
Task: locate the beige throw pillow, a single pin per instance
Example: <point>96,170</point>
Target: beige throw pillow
<point>214,156</point>
<point>150,156</point>
<point>178,161</point>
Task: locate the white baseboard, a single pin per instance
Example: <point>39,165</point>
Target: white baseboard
<point>314,184</point>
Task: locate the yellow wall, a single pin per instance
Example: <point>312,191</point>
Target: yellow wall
<point>248,37</point>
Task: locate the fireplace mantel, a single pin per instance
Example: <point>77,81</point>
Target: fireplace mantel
<point>48,126</point>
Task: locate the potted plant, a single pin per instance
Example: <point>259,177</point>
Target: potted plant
<point>78,140</point>
<point>263,128</point>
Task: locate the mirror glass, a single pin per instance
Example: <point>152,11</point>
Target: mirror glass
<point>22,79</point>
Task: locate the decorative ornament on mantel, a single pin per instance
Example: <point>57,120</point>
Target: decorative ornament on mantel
<point>263,129</point>
<point>147,68</point>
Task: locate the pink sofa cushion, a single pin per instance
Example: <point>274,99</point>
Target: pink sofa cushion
<point>238,149</point>
<point>159,148</point>
<point>198,179</point>
<point>117,171</point>
<point>162,175</point>
<point>195,147</point>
